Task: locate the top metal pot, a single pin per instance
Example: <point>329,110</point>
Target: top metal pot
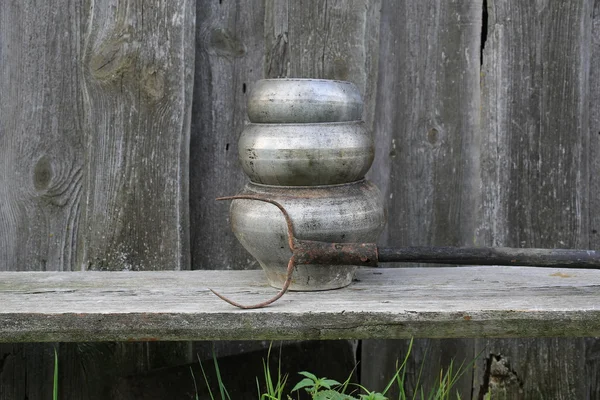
<point>304,101</point>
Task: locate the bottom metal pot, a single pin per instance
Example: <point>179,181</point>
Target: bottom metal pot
<point>345,213</point>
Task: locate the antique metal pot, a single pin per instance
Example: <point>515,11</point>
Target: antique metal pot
<point>306,154</point>
<point>345,213</point>
<point>304,101</point>
<point>307,149</point>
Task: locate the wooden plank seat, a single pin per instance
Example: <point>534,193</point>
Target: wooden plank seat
<point>382,303</point>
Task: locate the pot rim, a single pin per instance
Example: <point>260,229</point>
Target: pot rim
<point>303,187</point>
<point>358,122</point>
<point>305,80</point>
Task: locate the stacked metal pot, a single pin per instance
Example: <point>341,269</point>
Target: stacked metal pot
<point>307,148</point>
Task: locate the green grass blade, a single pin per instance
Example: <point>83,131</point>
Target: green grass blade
<point>420,375</point>
<point>402,368</point>
<point>222,389</point>
<point>55,381</point>
<point>274,388</point>
<point>195,385</point>
<point>400,379</point>
<point>210,393</point>
<point>267,372</point>
<point>345,384</point>
<point>258,389</point>
<point>280,381</point>
<point>268,380</point>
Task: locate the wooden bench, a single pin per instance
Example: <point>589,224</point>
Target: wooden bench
<point>382,303</point>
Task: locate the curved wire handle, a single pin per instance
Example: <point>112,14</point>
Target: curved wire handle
<point>291,263</point>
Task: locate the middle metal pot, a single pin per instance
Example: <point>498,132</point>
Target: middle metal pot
<point>345,213</point>
<point>306,154</point>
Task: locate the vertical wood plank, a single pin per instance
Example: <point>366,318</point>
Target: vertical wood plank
<point>230,54</point>
<point>427,121</point>
<point>531,369</point>
<point>94,134</point>
<point>535,115</point>
<point>41,142</point>
<point>41,163</point>
<point>594,127</point>
<point>592,368</point>
<point>229,58</point>
<point>138,60</point>
<point>535,166</point>
<point>592,345</point>
<point>427,157</point>
<point>26,371</point>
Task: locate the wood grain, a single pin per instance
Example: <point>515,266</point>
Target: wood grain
<point>94,138</point>
<point>594,128</point>
<point>41,163</point>
<point>536,168</point>
<point>229,59</point>
<point>427,120</point>
<point>535,124</point>
<point>592,345</point>
<point>41,146</point>
<point>527,368</point>
<point>137,66</point>
<point>137,74</point>
<point>384,303</point>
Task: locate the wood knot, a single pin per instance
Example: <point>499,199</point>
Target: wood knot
<point>153,82</point>
<point>111,61</point>
<point>42,174</point>
<point>55,177</point>
<point>341,70</point>
<point>500,377</point>
<point>225,44</point>
<point>433,136</point>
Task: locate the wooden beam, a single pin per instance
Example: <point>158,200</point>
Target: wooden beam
<point>383,303</point>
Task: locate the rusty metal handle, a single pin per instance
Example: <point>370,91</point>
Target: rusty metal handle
<point>291,262</point>
<point>369,255</point>
<point>566,258</point>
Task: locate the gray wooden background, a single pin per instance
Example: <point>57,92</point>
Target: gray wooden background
<point>119,122</point>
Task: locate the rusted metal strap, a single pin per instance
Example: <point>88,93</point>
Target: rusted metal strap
<point>323,253</point>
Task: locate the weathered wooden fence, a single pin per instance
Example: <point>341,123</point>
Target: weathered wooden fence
<point>116,136</point>
<point>95,103</point>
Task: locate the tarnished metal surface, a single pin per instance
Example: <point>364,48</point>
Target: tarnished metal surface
<point>306,154</point>
<point>350,213</point>
<point>304,101</point>
<point>308,252</point>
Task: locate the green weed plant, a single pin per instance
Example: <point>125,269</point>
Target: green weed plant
<point>322,388</point>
